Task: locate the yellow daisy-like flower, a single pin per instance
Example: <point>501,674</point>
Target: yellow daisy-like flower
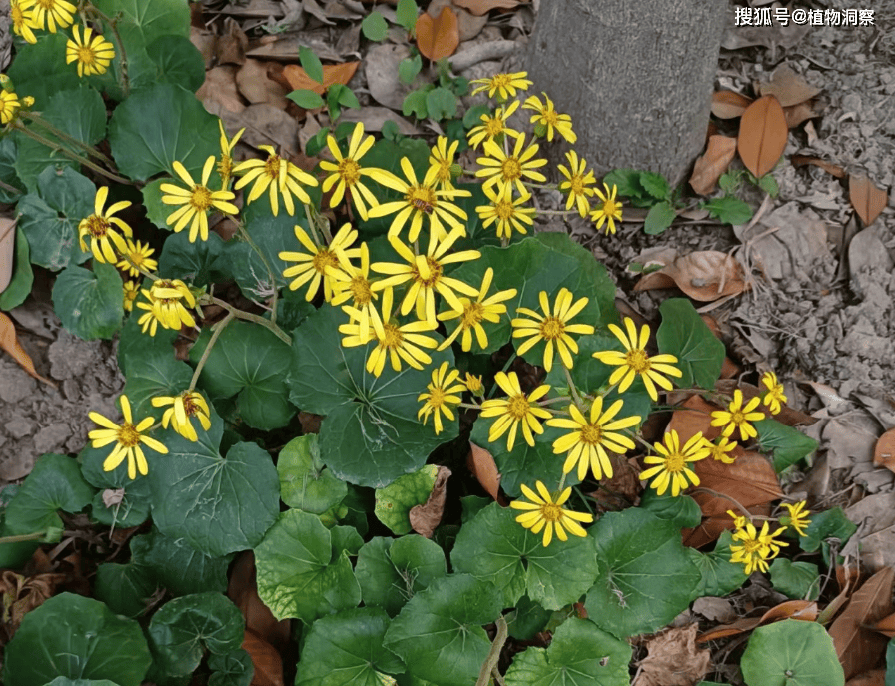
<point>137,257</point>
<point>509,170</point>
<point>505,85</point>
<point>277,174</point>
<point>9,105</point>
<point>131,291</point>
<point>393,341</point>
<point>720,448</point>
<point>21,12</point>
<point>609,211</point>
<point>516,410</point>
<point>196,200</point>
<point>757,547</point>
<point>508,213</point>
<point>101,228</point>
<point>798,517</point>
<point>738,417</point>
<point>440,395</point>
<point>127,438</point>
<point>225,164</point>
<point>577,184</point>
<point>164,306</point>
<point>474,385</point>
<point>182,408</point>
<point>552,327</point>
<point>635,362</point>
<point>473,312</point>
<point>774,398</point>
<point>347,174</point>
<point>353,283</point>
<point>53,13</point>
<point>421,201</point>
<point>493,126</point>
<point>318,264</point>
<point>587,444</point>
<point>545,512</point>
<point>548,120</point>
<point>441,160</point>
<point>671,467</point>
<point>93,55</point>
<point>426,275</point>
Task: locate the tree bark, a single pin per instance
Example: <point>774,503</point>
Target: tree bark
<point>635,75</point>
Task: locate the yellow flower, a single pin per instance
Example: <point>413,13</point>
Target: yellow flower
<point>92,55</point>
<point>609,211</point>
<point>426,275</point>
<point>421,200</point>
<point>53,12</point>
<point>505,85</point>
<point>225,164</point>
<point>719,449</point>
<point>577,183</point>
<point>99,227</point>
<point>137,257</point>
<point>474,385</point>
<point>184,406</point>
<point>441,160</point>
<point>393,341</point>
<point>281,176</point>
<point>739,521</point>
<point>545,511</point>
<point>774,397</point>
<point>738,417</point>
<point>672,467</point>
<point>508,213</point>
<point>548,119</point>
<point>347,174</point>
<point>127,438</point>
<point>757,547</point>
<point>196,200</point>
<point>440,395</point>
<point>635,362</point>
<point>318,264</point>
<point>553,328</point>
<point>22,14</point>
<point>508,170</point>
<point>353,283</point>
<point>798,517</point>
<point>473,312</point>
<point>9,105</point>
<point>165,306</point>
<point>131,291</point>
<point>515,410</point>
<point>493,126</point>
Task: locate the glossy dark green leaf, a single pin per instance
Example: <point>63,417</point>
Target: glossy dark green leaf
<point>125,588</point>
<point>178,61</point>
<point>177,566</point>
<point>683,334</point>
<point>37,70</point>
<point>304,482</point>
<point>788,444</point>
<point>89,303</point>
<point>720,576</point>
<point>795,579</point>
<point>154,375</point>
<point>791,653</point>
<point>830,524</point>
<point>231,669</point>
<point>198,263</point>
<point>132,342</point>
<point>132,497</point>
<point>149,19</point>
<point>8,176</point>
<point>22,276</point>
<point>682,510</point>
<point>395,501</point>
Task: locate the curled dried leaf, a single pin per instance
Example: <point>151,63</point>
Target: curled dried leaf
<point>729,105</point>
<point>708,168</point>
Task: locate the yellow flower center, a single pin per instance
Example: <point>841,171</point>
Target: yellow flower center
<point>86,55</point>
<point>511,169</point>
<point>190,406</point>
<point>128,436</point>
<point>472,314</point>
<point>518,407</point>
<point>674,463</point>
<point>349,171</point>
<point>436,399</point>
<point>272,166</point>
<point>504,210</point>
<point>752,546</point>
<point>494,126</point>
<point>500,81</point>
<point>551,512</point>
<point>393,338</point>
<point>18,17</point>
<point>46,4</point>
<point>611,208</point>
<point>552,328</point>
<point>576,184</point>
<point>444,171</point>
<point>200,200</point>
<point>130,294</point>
<point>637,360</point>
<point>737,418</point>
<point>225,167</point>
<point>549,117</point>
<point>97,226</point>
<point>435,272</point>
<point>422,195</point>
<point>323,259</point>
<point>591,434</point>
<point>360,289</point>
<point>136,259</point>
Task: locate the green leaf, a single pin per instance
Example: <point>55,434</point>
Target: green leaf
<point>789,445</point>
<point>311,63</point>
<point>439,632</point>
<point>346,648</point>
<point>347,98</point>
<point>406,14</point>
<point>729,210</point>
<point>394,502</point>
<point>494,547</point>
<point>218,506</point>
<point>720,576</point>
<point>8,154</point>
<point>148,19</point>
<point>307,99</point>
<point>795,579</point>
<point>627,182</point>
<point>22,276</point>
<point>890,664</point>
<point>791,653</point>
<point>659,218</point>
<point>646,577</point>
<point>374,26</point>
<point>409,68</point>
<point>441,104</point>
<point>298,574</point>
<point>304,482</point>
<point>39,71</point>
<point>131,510</point>
<point>178,62</point>
<point>231,669</point>
<point>132,342</point>
<point>125,588</point>
<point>89,303</point>
<point>76,637</point>
<point>655,184</point>
<point>682,510</point>
<point>579,654</point>
<point>829,524</point>
<point>145,131</point>
<point>769,185</point>
<point>156,210</point>
<point>527,620</point>
<point>177,566</point>
<point>248,361</point>
<point>415,103</point>
<point>683,334</point>
<point>153,375</point>
<point>198,263</point>
<point>472,116</point>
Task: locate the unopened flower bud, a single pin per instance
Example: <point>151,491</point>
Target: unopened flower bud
<point>456,171</point>
<point>540,130</point>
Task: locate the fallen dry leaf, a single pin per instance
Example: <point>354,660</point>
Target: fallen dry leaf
<point>694,415</point>
<point>729,105</point>
<point>19,595</point>
<point>798,114</point>
<point>480,7</point>
<point>7,252</point>
<point>426,517</point>
<point>750,480</point>
<point>886,625</point>
<point>10,344</point>
<point>866,198</point>
<point>788,87</point>
<point>622,488</point>
<point>791,609</point>
<point>884,453</point>
<point>439,37</point>
<point>715,609</point>
<point>673,659</point>
<point>875,677</point>
<point>332,73</point>
<point>763,134</point>
<point>802,160</point>
<point>230,47</point>
<point>267,660</point>
<point>242,589</point>
<point>705,275</point>
<point>729,368</point>
<point>714,162</point>
<point>732,629</point>
<point>482,465</point>
<point>256,87</point>
<point>219,93</point>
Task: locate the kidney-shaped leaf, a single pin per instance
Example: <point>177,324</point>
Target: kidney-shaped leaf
<point>791,653</point>
<point>89,303</point>
<point>178,567</point>
<point>304,482</point>
<point>763,133</point>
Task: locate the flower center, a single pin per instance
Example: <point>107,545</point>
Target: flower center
<point>549,117</point>
<point>511,169</point>
<point>225,167</point>
<point>360,289</point>
<point>323,259</point>
<point>552,328</point>
<point>611,207</point>
<point>200,200</point>
<point>674,463</point>
<point>436,399</point>
<point>46,4</point>
<point>435,272</point>
<point>576,185</point>
<point>85,54</point>
<point>128,436</point>
<point>136,259</point>
<point>504,210</point>
<point>472,314</point>
<point>752,546</point>
<point>591,434</point>
<point>393,337</point>
<point>97,226</point>
<point>349,171</point>
<point>551,512</point>
<point>518,407</point>
<point>737,418</point>
<point>18,16</point>
<point>190,406</point>
<point>637,360</point>
<point>444,171</point>
<point>500,81</point>
<point>420,196</point>
<point>494,126</point>
<point>272,166</point>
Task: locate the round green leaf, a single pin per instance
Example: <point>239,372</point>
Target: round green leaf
<point>178,61</point>
<point>419,559</point>
<point>394,502</point>
<point>135,494</point>
<point>720,576</point>
<point>374,26</point>
<point>148,19</point>
<point>231,669</point>
<point>297,575</point>
<point>154,374</point>
<point>198,263</point>
<point>8,148</point>
<point>494,547</point>
<point>125,588</point>
<point>579,654</point>
<point>65,681</point>
<point>22,276</point>
<point>683,334</point>
<point>825,525</point>
<point>789,445</point>
<point>304,482</point>
<point>177,566</point>
<point>441,104</point>
<point>795,579</point>
<point>89,303</point>
<point>39,71</point>
<point>791,653</point>
<point>346,649</point>
<point>682,510</point>
<point>439,632</point>
<point>76,637</point>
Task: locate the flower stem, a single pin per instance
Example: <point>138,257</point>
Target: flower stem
<point>37,535</point>
<point>273,281</point>
<point>64,137</point>
<point>490,663</point>
<point>125,79</point>
<point>218,329</point>
<point>254,318</point>
<point>573,389</point>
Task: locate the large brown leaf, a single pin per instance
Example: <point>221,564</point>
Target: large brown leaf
<point>673,659</point>
<point>481,464</point>
<point>763,133</point>
<point>884,454</point>
<point>729,105</point>
<point>708,168</point>
<point>705,275</point>
<point>788,87</point>
<point>10,344</point>
<point>426,517</point>
<point>866,198</point>
<point>438,37</point>
<point>266,659</point>
<point>332,73</point>
<point>751,480</point>
<point>805,610</point>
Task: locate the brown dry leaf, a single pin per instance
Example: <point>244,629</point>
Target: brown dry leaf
<point>884,454</point>
<point>673,659</point>
<point>866,198</point>
<point>256,87</point>
<point>802,160</point>
<point>751,480</point>
<point>332,73</point>
<point>695,415</point>
<point>481,464</point>
<point>857,645</point>
<point>426,517</point>
<point>705,275</point>
<point>886,626</point>
<point>437,37</point>
<point>19,595</point>
<point>468,25</point>
<point>791,609</point>
<point>797,114</point>
<point>788,87</point>
<point>243,591</point>
<point>763,133</point>
<point>732,629</point>
<point>729,105</point>
<point>219,92</point>
<point>267,660</point>
<point>231,46</point>
<point>480,7</point>
<point>729,368</point>
<point>10,344</point>
<point>875,677</point>
<point>714,162</point>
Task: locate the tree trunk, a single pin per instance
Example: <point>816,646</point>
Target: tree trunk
<point>635,75</point>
